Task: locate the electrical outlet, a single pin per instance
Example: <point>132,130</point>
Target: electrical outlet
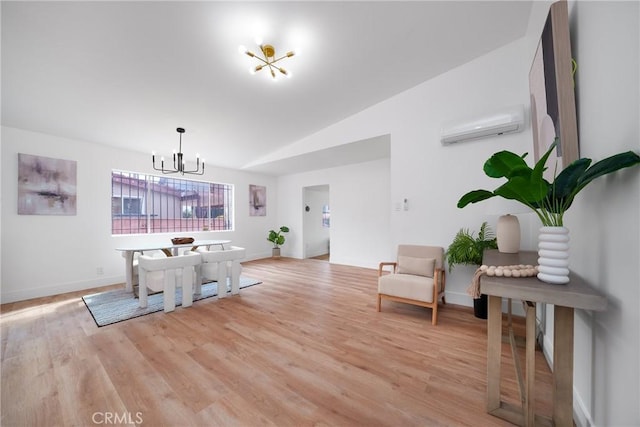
<point>99,271</point>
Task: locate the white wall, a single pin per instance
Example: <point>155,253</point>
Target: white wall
<point>316,235</point>
<point>605,218</point>
<point>359,211</point>
<point>45,255</point>
<point>431,176</point>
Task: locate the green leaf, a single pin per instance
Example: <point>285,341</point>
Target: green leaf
<point>474,196</point>
<point>567,181</point>
<point>520,171</point>
<point>503,163</point>
<point>607,166</point>
<point>526,190</point>
<point>540,166</point>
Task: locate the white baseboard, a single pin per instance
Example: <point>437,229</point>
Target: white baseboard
<point>581,415</point>
<point>547,350</point>
<point>258,255</point>
<point>458,298</point>
<point>60,288</point>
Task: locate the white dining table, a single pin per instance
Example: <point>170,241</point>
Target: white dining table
<point>169,249</point>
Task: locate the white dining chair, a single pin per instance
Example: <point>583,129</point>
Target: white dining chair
<point>169,268</point>
<point>220,265</point>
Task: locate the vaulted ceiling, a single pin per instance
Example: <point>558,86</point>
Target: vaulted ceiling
<point>127,74</point>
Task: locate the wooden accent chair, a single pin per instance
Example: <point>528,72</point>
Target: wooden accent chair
<point>417,277</point>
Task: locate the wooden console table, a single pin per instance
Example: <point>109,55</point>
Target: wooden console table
<point>575,294</point>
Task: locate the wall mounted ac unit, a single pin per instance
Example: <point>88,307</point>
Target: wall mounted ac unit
<point>508,120</point>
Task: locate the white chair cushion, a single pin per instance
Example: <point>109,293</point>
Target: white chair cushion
<point>209,270</point>
<point>407,286</point>
<point>415,265</point>
<point>155,280</point>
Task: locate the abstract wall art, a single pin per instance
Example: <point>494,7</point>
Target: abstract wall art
<point>551,87</point>
<point>46,186</point>
<point>257,200</point>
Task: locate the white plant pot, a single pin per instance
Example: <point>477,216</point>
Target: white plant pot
<point>553,255</point>
<point>275,252</point>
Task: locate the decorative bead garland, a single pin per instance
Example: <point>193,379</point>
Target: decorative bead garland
<point>520,270</point>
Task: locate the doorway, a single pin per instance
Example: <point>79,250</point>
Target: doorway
<point>316,222</point>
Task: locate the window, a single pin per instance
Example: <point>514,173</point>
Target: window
<point>326,216</point>
<point>130,206</point>
<point>152,204</point>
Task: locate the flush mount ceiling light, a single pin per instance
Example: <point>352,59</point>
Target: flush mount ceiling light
<point>268,60</point>
<point>178,162</point>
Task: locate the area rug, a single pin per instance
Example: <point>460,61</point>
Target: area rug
<point>118,305</point>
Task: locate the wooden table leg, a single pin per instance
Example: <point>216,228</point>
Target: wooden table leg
<point>563,366</point>
<point>167,252</point>
<point>529,406</point>
<point>494,352</point>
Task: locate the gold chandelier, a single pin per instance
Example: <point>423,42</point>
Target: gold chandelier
<point>268,60</point>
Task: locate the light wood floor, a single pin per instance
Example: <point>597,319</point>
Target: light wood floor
<point>305,347</point>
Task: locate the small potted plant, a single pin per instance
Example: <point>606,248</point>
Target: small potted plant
<point>277,238</point>
<point>467,249</point>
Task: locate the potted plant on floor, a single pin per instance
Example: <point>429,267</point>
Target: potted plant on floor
<point>467,249</point>
<point>277,238</point>
<point>548,200</point>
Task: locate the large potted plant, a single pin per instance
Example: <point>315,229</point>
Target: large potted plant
<point>278,239</point>
<point>548,200</point>
<point>467,249</point>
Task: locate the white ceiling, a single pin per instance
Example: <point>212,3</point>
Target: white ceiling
<point>127,74</point>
